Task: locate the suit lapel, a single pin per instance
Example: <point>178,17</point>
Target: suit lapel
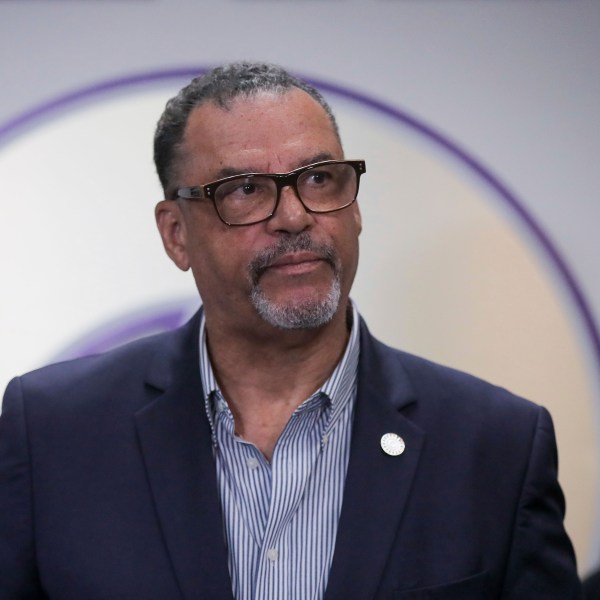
<point>377,485</point>
<point>175,441</point>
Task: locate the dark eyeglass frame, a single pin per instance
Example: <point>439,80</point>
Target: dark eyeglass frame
<point>281,180</point>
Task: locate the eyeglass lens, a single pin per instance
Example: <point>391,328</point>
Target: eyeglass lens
<point>324,188</point>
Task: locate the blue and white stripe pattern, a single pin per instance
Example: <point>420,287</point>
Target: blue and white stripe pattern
<point>281,518</point>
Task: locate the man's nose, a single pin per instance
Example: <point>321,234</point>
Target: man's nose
<point>290,214</point>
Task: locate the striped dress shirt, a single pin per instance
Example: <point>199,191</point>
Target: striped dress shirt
<point>281,518</point>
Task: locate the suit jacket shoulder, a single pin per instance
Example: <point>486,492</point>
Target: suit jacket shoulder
<point>153,360</point>
<point>107,479</point>
<point>470,509</point>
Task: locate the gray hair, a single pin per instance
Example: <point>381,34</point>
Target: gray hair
<point>220,86</point>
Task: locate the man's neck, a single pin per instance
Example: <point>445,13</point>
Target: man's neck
<point>265,375</point>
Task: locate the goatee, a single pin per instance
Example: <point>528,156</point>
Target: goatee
<point>308,313</point>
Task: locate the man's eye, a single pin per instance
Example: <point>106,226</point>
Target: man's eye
<point>247,189</point>
<point>319,177</point>
<point>242,190</point>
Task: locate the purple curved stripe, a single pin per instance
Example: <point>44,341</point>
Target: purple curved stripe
<point>128,328</point>
<point>14,125</point>
<point>29,116</point>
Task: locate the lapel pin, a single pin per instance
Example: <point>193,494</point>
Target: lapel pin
<point>392,444</point>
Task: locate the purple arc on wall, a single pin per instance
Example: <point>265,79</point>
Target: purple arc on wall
<point>165,317</point>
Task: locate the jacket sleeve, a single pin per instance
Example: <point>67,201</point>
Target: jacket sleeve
<point>542,562</point>
<point>18,575</point>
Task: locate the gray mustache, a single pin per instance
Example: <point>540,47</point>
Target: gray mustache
<point>302,242</point>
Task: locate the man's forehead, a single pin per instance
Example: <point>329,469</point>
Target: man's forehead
<point>268,121</point>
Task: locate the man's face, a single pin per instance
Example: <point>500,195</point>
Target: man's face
<point>294,270</point>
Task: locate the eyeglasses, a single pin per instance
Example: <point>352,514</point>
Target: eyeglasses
<point>250,198</point>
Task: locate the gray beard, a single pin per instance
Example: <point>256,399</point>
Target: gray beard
<point>308,314</point>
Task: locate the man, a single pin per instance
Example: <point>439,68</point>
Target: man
<point>271,448</point>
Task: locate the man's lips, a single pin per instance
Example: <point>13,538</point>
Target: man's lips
<point>297,255</point>
<point>296,263</point>
<point>295,258</point>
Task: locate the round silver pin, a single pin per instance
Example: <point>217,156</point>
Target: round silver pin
<point>392,444</point>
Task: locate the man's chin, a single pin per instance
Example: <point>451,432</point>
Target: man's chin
<point>298,313</point>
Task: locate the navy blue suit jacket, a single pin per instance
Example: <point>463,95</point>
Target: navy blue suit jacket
<point>108,487</point>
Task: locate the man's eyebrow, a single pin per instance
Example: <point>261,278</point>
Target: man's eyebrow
<point>315,159</point>
<point>232,171</point>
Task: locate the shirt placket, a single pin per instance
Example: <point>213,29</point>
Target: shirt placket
<point>293,460</point>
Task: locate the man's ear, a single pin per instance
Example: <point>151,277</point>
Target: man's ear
<point>357,218</point>
<point>171,225</point>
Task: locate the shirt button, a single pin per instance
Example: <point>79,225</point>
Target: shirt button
<point>272,554</point>
<point>252,462</point>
